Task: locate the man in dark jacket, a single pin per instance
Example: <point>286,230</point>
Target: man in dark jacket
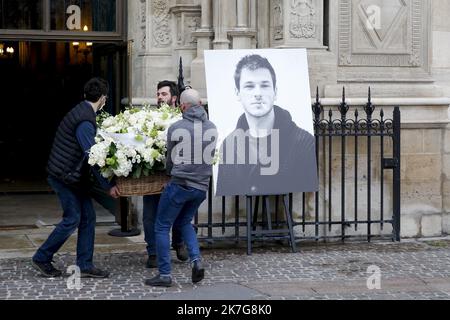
<point>267,153</point>
<point>69,176</point>
<point>190,154</point>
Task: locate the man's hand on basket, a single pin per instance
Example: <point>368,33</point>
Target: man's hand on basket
<point>114,192</point>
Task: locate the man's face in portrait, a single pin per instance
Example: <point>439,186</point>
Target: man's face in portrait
<point>256,93</point>
<point>164,96</point>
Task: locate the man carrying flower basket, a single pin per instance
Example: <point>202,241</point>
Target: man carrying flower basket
<point>166,94</point>
<point>131,147</point>
<point>191,146</point>
<point>69,176</point>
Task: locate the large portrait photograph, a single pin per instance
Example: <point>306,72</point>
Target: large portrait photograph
<point>260,101</point>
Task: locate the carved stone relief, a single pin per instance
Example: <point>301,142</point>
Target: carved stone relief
<point>297,23</point>
<point>278,23</point>
<point>143,23</point>
<point>188,20</point>
<point>161,24</point>
<point>192,23</point>
<point>179,32</point>
<point>380,33</point>
<point>302,22</point>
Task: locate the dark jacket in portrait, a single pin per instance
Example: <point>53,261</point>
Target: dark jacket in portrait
<point>297,170</point>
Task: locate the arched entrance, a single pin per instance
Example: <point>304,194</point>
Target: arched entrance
<point>48,50</point>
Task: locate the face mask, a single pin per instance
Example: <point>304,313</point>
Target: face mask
<point>102,104</point>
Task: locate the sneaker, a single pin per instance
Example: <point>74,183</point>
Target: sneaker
<point>159,281</point>
<point>182,253</point>
<point>94,273</point>
<point>46,269</point>
<point>152,262</point>
<point>198,272</point>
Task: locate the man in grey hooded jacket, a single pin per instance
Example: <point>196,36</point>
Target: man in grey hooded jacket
<point>191,147</point>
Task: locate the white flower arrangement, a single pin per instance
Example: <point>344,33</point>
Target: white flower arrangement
<point>133,143</point>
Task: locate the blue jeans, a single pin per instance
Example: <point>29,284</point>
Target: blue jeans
<point>177,207</point>
<point>78,212</point>
<point>148,220</point>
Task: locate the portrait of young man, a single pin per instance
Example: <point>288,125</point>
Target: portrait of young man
<point>266,153</point>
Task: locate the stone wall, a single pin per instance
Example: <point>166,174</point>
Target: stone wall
<point>398,48</point>
<point>441,73</point>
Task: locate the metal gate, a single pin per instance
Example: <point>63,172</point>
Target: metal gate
<point>358,157</point>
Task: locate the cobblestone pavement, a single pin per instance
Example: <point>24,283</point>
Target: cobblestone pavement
<point>409,270</point>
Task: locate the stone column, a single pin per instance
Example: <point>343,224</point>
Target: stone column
<point>242,35</point>
<point>261,22</point>
<point>137,31</point>
<point>242,13</point>
<point>204,37</point>
<point>205,33</point>
<point>221,12</point>
<point>207,15</point>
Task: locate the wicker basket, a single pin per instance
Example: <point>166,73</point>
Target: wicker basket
<point>142,186</point>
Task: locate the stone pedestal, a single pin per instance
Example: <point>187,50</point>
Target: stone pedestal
<point>204,37</point>
<point>198,79</point>
<point>187,21</point>
<point>243,36</point>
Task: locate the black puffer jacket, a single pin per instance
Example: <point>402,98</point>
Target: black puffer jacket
<point>67,159</point>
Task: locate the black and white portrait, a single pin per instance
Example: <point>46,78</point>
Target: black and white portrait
<point>260,102</point>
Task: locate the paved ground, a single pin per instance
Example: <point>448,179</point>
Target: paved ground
<point>408,270</point>
<point>43,209</point>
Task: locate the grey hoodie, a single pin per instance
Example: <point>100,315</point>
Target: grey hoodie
<point>191,144</point>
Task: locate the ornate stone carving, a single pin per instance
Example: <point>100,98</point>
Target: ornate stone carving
<point>376,33</point>
<point>191,25</point>
<point>179,32</point>
<point>416,59</point>
<point>302,19</point>
<point>187,21</point>
<point>143,14</point>
<point>161,24</point>
<point>143,11</point>
<point>278,23</point>
<point>345,59</point>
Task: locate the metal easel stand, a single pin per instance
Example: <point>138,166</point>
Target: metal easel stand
<point>266,213</point>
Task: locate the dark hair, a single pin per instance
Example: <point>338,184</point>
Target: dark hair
<point>172,85</point>
<point>95,88</point>
<point>253,62</point>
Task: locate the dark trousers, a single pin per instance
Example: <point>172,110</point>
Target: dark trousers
<point>148,220</point>
<point>177,208</point>
<point>78,212</point>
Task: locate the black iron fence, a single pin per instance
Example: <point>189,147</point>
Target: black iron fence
<point>358,157</point>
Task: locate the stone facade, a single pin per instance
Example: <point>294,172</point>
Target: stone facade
<point>399,48</point>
